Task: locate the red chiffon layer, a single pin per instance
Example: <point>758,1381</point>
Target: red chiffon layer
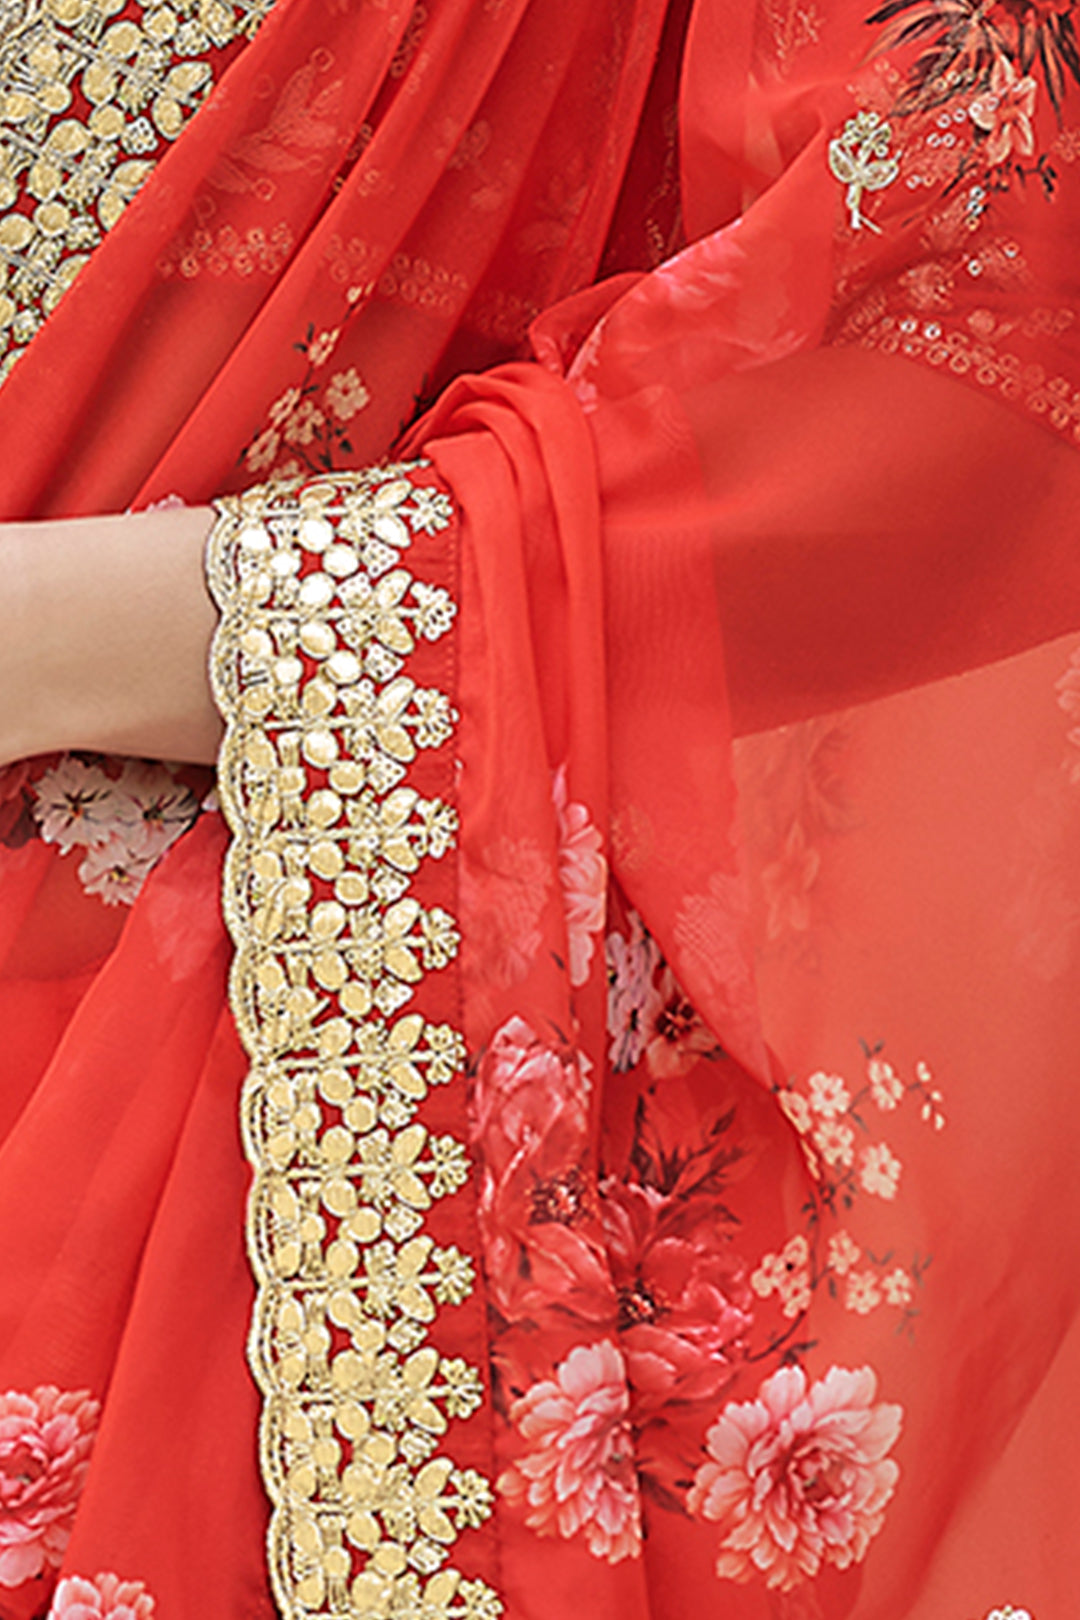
<point>730,1265</point>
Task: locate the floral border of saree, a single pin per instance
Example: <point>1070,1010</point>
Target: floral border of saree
<point>334,668</point>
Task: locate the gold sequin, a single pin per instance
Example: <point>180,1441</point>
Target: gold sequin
<point>320,614</point>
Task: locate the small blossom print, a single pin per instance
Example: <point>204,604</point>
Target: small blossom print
<point>898,1288</point>
<point>835,1143</point>
<point>844,1253</point>
<point>106,1597</point>
<point>786,1274</point>
<point>1009,1613</point>
<point>346,395</point>
<point>261,452</point>
<point>46,1438</point>
<point>828,1094</point>
<point>862,1294</point>
<point>304,423</point>
<point>582,877</point>
<point>283,407</point>
<point>879,1171</point>
<point>797,1109</point>
<point>799,1477</point>
<point>322,347</point>
<point>886,1087</point>
<point>632,996</point>
<point>577,1472</point>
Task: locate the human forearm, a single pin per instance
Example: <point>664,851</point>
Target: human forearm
<point>105,625</point>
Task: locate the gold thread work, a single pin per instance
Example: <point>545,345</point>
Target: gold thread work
<point>92,93</point>
<point>327,731</point>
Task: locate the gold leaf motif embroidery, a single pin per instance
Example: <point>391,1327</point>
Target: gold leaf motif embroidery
<point>88,103</point>
<point>859,159</point>
<point>324,723</point>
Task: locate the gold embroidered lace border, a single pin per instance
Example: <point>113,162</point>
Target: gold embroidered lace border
<point>92,95</point>
<point>329,742</point>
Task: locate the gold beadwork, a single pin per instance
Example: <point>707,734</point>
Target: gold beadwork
<point>87,106</point>
<point>319,618</point>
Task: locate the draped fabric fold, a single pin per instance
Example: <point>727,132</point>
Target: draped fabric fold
<point>644,439</point>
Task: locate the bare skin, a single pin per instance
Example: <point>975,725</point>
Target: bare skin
<point>105,628</point>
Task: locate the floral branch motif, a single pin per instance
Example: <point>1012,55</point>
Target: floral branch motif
<point>310,419</point>
<point>859,158</point>
<point>831,1119</point>
<point>980,66</point>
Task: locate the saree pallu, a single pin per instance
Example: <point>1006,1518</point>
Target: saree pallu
<point>644,1075</point>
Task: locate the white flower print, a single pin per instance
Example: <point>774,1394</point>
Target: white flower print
<point>283,407</point>
<point>828,1094</point>
<point>886,1087</point>
<point>835,1142</point>
<point>898,1288</point>
<point>125,823</point>
<point>786,1274</point>
<point>116,869</point>
<point>346,394</point>
<point>879,1171</point>
<point>862,1293</point>
<point>323,346</point>
<point>155,800</point>
<point>632,994</point>
<point>799,1477</point>
<point>76,803</point>
<point>844,1253</point>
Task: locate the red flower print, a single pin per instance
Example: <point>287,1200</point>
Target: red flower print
<point>45,1442</point>
<point>1004,113</point>
<point>682,1297</point>
<point>577,1472</point>
<point>799,1477</point>
<point>106,1597</point>
<point>538,1214</point>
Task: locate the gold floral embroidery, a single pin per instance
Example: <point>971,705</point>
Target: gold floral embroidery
<point>92,92</point>
<point>859,158</point>
<point>326,736</point>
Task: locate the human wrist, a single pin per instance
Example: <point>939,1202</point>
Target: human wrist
<point>106,636</point>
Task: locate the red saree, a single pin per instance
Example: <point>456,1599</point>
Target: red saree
<point>651,798</point>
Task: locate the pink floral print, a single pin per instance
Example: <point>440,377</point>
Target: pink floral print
<point>106,1597</point>
<point>45,1442</point>
<point>1004,112</point>
<point>538,1215</point>
<point>576,1475</point>
<point>800,1477</point>
<point>582,876</point>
